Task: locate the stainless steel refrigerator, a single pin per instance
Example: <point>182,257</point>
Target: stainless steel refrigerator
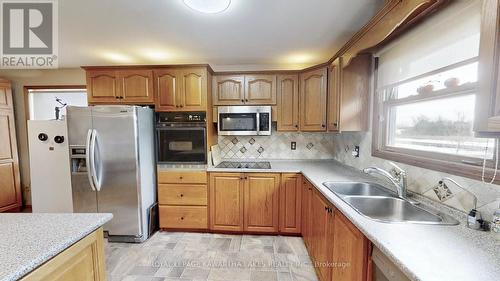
<point>113,167</point>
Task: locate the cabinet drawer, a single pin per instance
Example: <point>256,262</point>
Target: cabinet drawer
<point>182,177</point>
<point>182,194</point>
<point>186,217</point>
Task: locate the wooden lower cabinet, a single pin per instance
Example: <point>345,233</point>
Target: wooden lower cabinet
<point>183,200</point>
<point>261,202</point>
<point>82,261</point>
<point>183,217</point>
<point>321,234</point>
<point>351,246</point>
<point>290,203</point>
<point>226,201</point>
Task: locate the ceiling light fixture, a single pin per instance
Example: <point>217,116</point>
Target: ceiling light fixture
<point>208,6</point>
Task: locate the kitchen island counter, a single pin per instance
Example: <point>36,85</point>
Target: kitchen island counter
<point>29,240</point>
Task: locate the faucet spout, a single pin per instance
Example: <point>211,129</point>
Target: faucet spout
<point>400,182</point>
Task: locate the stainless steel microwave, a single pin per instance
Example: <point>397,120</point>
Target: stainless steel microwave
<point>244,120</point>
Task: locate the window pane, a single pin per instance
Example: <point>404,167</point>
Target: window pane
<point>42,103</point>
<point>461,75</point>
<point>442,125</point>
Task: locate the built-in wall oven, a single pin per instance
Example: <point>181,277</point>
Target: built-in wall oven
<point>181,137</point>
<point>244,120</point>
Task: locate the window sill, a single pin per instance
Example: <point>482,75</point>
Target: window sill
<point>454,168</point>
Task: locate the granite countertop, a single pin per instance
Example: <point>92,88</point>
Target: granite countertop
<point>422,252</point>
<point>29,240</point>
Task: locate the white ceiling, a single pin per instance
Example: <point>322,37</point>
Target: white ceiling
<point>251,34</point>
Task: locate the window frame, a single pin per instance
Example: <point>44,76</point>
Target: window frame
<point>465,166</point>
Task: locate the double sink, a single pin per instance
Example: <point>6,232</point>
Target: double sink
<point>378,203</point>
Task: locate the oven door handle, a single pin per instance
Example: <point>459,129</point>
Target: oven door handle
<point>258,122</point>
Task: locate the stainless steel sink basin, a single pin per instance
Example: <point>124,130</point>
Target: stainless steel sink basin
<point>358,189</point>
<point>378,203</point>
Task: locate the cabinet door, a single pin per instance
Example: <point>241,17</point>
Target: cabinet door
<point>334,87</point>
<point>322,228</point>
<point>167,89</point>
<point>349,246</point>
<point>10,186</point>
<point>313,100</point>
<point>260,89</point>
<point>288,102</point>
<point>5,96</point>
<point>290,203</point>
<point>226,201</point>
<point>102,86</point>
<point>306,214</point>
<point>355,91</point>
<point>136,86</point>
<point>261,202</point>
<point>228,90</point>
<point>194,89</point>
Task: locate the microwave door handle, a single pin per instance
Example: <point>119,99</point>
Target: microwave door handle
<point>258,123</point>
<point>88,159</point>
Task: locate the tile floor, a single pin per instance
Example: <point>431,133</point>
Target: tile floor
<point>183,256</point>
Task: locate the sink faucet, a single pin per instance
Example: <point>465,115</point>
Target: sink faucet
<point>399,180</point>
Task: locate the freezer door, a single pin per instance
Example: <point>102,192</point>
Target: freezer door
<point>116,168</point>
<point>79,122</point>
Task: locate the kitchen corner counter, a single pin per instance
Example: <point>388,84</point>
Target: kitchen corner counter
<point>29,240</point>
<point>422,252</point>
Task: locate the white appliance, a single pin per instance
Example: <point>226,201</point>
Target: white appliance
<point>244,120</point>
<point>49,166</point>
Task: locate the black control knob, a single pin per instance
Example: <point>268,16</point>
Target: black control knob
<point>59,139</point>
<point>43,136</point>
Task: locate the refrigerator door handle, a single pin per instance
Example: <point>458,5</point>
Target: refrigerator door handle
<point>96,182</point>
<point>88,159</point>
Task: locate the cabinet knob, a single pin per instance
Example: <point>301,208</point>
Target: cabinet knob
<point>335,124</point>
<point>181,105</point>
<point>242,100</point>
<point>326,208</point>
<point>182,218</point>
<point>182,195</point>
<point>117,97</point>
<point>246,100</point>
<point>180,178</point>
<point>246,178</point>
<point>323,125</point>
<point>296,126</point>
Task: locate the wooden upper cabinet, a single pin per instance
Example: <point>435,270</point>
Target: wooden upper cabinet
<point>313,92</point>
<point>350,246</point>
<point>290,203</point>
<point>355,94</point>
<point>229,90</point>
<point>260,89</point>
<point>334,87</point>
<point>181,89</point>
<point>194,89</point>
<point>261,202</point>
<point>226,201</point>
<point>135,86</point>
<point>288,102</point>
<point>102,86</point>
<point>167,89</point>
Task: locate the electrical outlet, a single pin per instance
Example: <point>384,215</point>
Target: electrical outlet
<point>293,145</point>
<point>355,152</point>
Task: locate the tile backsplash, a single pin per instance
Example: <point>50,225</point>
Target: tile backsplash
<point>420,180</point>
<point>277,146</point>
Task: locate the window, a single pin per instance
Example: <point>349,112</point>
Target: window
<point>426,88</point>
<point>42,102</point>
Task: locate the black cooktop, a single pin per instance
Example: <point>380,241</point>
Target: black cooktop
<point>244,165</point>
